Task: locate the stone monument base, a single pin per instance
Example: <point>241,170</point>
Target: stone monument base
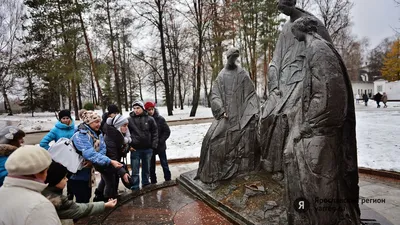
<point>254,198</point>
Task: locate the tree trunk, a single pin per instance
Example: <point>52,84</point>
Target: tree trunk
<point>93,92</point>
<point>7,105</point>
<point>140,88</point>
<point>93,66</point>
<point>79,96</point>
<point>70,60</point>
<point>69,96</point>
<point>199,20</point>
<point>123,64</point>
<point>198,80</point>
<point>169,102</point>
<point>130,92</point>
<point>116,76</point>
<point>205,87</point>
<point>155,87</point>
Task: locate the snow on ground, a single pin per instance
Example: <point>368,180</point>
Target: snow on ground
<point>185,140</point>
<point>46,120</point>
<point>377,137</point>
<point>377,133</point>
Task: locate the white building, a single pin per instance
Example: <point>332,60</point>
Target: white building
<point>392,89</point>
<point>361,87</point>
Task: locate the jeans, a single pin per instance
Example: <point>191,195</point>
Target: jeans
<point>164,164</point>
<point>145,156</point>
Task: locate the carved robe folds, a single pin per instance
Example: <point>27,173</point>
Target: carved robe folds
<point>310,137</point>
<point>230,146</point>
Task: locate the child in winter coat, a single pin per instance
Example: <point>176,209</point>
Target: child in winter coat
<point>67,209</point>
<point>64,128</point>
<point>11,138</point>
<point>117,138</point>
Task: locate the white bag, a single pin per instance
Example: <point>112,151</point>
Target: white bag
<point>64,152</point>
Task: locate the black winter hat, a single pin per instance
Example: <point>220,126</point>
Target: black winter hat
<point>55,174</point>
<point>64,112</point>
<point>112,109</point>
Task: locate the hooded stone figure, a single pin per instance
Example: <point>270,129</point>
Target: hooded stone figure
<point>320,154</point>
<point>283,75</point>
<point>230,145</point>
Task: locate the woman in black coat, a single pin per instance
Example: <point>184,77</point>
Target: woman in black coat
<point>117,138</point>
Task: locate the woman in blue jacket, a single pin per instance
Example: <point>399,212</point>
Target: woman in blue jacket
<point>90,142</point>
<point>11,138</point>
<point>64,128</point>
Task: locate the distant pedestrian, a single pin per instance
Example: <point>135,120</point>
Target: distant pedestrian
<point>11,138</point>
<point>365,98</point>
<point>163,134</point>
<point>384,99</point>
<point>357,98</point>
<point>144,134</point>
<point>22,201</point>
<point>378,99</point>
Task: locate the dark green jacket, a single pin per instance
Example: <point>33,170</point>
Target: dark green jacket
<point>67,209</point>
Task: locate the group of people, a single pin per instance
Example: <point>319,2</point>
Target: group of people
<point>378,97</point>
<point>34,183</point>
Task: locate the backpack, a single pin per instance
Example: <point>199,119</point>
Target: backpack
<point>65,153</point>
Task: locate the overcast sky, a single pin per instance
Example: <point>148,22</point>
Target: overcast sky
<point>374,19</point>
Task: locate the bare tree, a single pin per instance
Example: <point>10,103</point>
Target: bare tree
<point>154,12</point>
<point>335,15</point>
<point>199,17</point>
<point>304,4</point>
<point>11,21</point>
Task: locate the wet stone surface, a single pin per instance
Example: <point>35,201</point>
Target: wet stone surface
<point>171,205</point>
<point>256,198</point>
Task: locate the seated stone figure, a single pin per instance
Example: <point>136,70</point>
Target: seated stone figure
<point>320,156</point>
<point>230,145</point>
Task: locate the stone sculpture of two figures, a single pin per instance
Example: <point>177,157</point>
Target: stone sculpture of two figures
<point>306,127</point>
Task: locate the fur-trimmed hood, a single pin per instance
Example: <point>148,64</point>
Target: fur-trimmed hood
<point>6,149</point>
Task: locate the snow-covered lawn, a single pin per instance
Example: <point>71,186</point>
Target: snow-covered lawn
<point>378,137</point>
<point>46,120</point>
